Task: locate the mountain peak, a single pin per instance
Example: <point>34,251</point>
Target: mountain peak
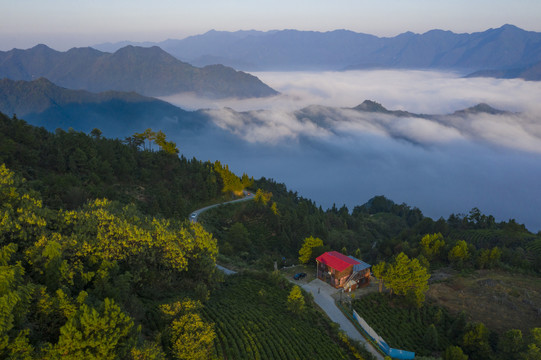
<point>480,108</point>
<point>509,27</point>
<point>371,106</point>
<point>41,47</point>
<point>42,81</point>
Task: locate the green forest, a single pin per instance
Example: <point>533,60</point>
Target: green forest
<point>98,259</point>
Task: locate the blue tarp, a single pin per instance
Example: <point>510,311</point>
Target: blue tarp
<point>401,354</point>
<point>394,353</point>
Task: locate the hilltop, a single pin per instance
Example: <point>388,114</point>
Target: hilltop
<point>45,104</point>
<point>148,71</point>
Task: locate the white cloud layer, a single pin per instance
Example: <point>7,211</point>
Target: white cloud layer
<point>416,91</point>
<point>311,139</point>
<point>513,131</point>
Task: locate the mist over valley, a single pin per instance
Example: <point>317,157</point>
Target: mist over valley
<point>262,189</point>
<point>311,138</point>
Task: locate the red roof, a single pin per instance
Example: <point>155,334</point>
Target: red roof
<point>336,260</point>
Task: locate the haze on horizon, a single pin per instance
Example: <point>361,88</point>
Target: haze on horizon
<point>63,24</point>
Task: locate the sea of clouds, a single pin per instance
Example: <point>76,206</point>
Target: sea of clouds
<point>310,138</point>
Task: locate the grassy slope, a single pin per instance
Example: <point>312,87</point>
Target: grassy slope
<point>501,300</point>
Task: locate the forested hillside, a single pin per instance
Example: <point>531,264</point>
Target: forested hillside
<point>96,282</point>
<point>98,261</point>
<point>94,241</point>
<point>69,167</point>
<point>442,281</point>
<point>262,232</point>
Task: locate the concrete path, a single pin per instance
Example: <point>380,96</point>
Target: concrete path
<point>322,296</point>
<point>193,218</point>
<point>321,290</point>
<point>225,270</point>
<point>194,215</point>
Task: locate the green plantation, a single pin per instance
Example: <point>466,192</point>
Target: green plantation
<point>252,321</point>
<point>405,327</point>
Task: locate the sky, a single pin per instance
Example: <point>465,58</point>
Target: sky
<point>62,24</point>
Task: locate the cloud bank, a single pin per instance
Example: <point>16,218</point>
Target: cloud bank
<point>428,92</point>
<point>513,131</point>
<point>311,139</point>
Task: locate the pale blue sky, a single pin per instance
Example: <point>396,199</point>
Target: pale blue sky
<point>62,24</point>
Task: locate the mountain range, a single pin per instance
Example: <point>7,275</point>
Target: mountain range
<point>504,48</point>
<point>119,114</point>
<point>148,71</point>
<point>42,103</point>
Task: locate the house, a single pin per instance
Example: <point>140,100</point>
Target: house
<point>342,271</point>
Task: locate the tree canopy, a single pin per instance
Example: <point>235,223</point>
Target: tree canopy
<point>407,276</point>
<point>85,269</point>
<point>306,251</point>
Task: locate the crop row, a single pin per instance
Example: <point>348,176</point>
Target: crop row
<point>403,327</point>
<point>252,322</point>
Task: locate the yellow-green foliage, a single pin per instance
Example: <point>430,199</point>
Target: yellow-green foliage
<point>112,237</point>
<point>262,197</point>
<point>84,271</point>
<point>190,336</point>
<point>489,257</point>
<point>232,183</point>
<point>295,300</point>
<point>459,252</point>
<point>14,301</point>
<point>93,334</point>
<point>274,209</point>
<point>20,213</point>
<point>431,245</point>
<point>159,137</point>
<point>379,271</point>
<point>408,277</point>
<point>305,252</point>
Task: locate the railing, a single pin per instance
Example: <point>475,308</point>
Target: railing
<point>394,353</point>
<point>376,340</point>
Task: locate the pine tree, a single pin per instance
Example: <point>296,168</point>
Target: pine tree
<point>459,253</point>
<point>511,343</point>
<point>295,300</point>
<point>475,342</point>
<point>380,271</point>
<point>431,244</point>
<point>408,277</point>
<point>305,253</point>
<point>93,334</point>
<point>430,338</point>
<point>454,353</point>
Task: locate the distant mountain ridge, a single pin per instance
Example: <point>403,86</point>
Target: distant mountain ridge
<point>148,71</point>
<point>43,103</point>
<point>502,48</point>
<point>531,72</point>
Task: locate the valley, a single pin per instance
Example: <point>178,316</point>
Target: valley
<point>293,192</point>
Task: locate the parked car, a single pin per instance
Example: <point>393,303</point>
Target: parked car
<point>299,276</point>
